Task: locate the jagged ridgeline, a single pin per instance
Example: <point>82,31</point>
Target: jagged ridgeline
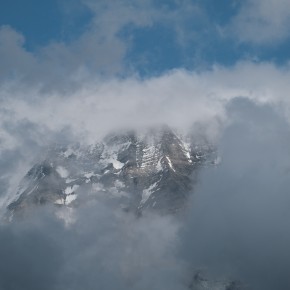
<point>155,170</point>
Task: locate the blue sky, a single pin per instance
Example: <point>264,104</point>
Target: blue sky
<point>44,21</point>
<point>144,37</point>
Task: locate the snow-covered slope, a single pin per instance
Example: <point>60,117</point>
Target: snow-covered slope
<point>155,170</point>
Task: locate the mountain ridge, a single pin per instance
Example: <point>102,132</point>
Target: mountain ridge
<point>154,170</point>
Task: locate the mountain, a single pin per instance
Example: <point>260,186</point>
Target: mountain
<point>155,170</point>
<point>200,282</point>
<point>152,170</point>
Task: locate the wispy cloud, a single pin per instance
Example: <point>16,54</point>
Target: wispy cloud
<point>262,22</point>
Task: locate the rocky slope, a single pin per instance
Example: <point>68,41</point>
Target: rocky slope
<point>155,170</point>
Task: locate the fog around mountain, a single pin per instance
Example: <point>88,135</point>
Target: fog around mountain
<point>235,228</point>
<point>32,117</point>
<point>72,72</point>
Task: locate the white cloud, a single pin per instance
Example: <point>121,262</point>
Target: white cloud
<point>12,53</point>
<point>179,98</point>
<point>263,21</point>
<point>99,50</point>
<point>31,118</point>
<point>52,64</point>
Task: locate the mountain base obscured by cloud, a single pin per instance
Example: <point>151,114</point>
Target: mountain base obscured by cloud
<point>235,229</point>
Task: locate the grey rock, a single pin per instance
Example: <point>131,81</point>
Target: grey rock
<point>152,171</point>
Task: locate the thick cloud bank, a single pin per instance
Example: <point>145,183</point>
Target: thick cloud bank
<point>239,219</point>
<point>101,250</point>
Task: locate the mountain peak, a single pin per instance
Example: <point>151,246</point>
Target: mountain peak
<point>149,170</point>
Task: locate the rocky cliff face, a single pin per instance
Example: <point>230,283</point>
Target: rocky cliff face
<point>199,282</point>
<point>155,170</point>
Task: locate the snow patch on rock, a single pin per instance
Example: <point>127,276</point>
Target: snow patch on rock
<point>63,172</point>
